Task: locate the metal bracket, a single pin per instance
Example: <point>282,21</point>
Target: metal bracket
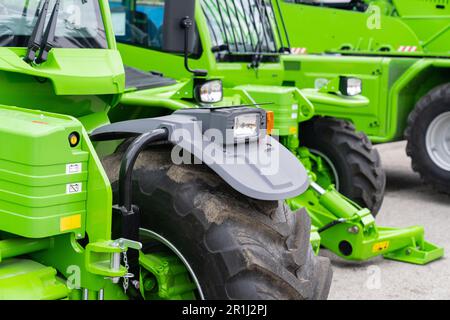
<point>126,244</point>
<point>356,236</point>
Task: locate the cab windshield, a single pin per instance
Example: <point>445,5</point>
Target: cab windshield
<point>242,27</point>
<point>79,23</point>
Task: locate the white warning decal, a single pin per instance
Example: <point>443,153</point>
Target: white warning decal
<point>72,188</point>
<point>407,49</point>
<point>73,168</point>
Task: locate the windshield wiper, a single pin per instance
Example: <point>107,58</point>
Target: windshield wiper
<point>257,57</point>
<point>36,36</point>
<point>220,48</point>
<point>48,41</point>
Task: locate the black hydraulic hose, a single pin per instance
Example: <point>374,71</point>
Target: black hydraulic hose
<point>129,160</point>
<point>331,225</point>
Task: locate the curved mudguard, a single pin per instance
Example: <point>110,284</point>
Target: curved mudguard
<point>262,169</point>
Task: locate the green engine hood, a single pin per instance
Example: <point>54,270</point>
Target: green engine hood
<point>72,71</point>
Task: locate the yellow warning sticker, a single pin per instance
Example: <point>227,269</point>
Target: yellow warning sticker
<point>380,246</point>
<point>70,223</point>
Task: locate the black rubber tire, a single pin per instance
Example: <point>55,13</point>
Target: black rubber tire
<point>358,165</point>
<point>430,106</point>
<point>239,248</point>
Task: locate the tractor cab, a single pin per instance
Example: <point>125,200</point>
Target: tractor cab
<point>236,31</point>
<point>152,25</point>
<point>61,53</point>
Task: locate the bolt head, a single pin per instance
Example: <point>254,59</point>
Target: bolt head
<point>353,230</point>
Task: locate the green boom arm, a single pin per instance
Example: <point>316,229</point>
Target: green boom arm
<point>351,232</point>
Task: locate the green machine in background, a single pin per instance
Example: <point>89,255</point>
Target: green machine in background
<point>76,223</point>
<point>413,28</point>
<point>250,65</point>
<point>400,49</point>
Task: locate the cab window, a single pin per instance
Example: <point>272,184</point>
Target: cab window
<point>79,23</point>
<point>142,26</point>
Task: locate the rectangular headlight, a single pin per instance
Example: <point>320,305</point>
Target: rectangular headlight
<point>246,126</point>
<point>231,125</point>
<point>209,92</point>
<point>350,86</point>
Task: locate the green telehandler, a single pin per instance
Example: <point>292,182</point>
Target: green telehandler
<point>405,28</point>
<point>340,224</point>
<point>238,42</point>
<point>143,221</point>
<point>400,50</point>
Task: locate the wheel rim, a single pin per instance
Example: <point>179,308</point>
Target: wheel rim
<point>438,141</point>
<point>155,236</point>
<point>334,178</point>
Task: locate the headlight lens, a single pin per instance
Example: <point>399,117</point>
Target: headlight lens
<point>246,126</point>
<point>350,86</point>
<point>210,92</point>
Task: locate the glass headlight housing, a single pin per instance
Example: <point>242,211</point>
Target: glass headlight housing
<point>209,92</point>
<point>350,86</point>
<point>246,126</point>
<point>231,125</point>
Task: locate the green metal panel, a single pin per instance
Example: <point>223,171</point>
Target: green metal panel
<point>37,189</point>
<point>29,280</point>
<point>38,170</point>
<point>76,82</point>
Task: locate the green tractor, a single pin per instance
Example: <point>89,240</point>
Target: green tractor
<point>142,222</point>
<point>406,28</point>
<point>400,50</point>
<point>220,74</point>
<point>240,43</point>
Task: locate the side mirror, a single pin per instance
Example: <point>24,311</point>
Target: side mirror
<point>174,31</point>
<point>179,30</point>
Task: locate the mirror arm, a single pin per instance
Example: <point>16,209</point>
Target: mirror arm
<point>186,24</point>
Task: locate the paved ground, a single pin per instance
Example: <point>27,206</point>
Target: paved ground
<point>407,202</point>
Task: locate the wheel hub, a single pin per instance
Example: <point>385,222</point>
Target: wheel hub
<point>438,141</point>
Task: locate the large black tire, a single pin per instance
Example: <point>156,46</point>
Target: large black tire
<point>357,164</point>
<point>431,106</point>
<point>239,248</point>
